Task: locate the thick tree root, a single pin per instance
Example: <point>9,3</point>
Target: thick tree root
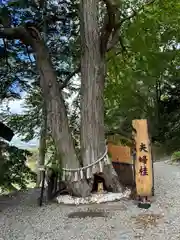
<point>84,188</point>
<point>111,179</point>
<point>79,189</point>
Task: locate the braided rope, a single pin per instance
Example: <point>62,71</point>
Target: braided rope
<point>42,167</point>
<point>88,166</point>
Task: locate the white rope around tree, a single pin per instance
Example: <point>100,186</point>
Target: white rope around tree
<point>88,166</point>
<point>76,174</point>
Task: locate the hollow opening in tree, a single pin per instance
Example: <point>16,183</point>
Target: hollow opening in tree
<point>98,180</point>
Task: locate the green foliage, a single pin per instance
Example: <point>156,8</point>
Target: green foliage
<point>143,74</point>
<point>28,123</point>
<point>13,168</point>
<point>59,27</point>
<point>118,139</point>
<point>176,156</point>
<point>53,159</point>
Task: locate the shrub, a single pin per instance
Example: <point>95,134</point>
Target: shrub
<point>14,172</point>
<point>176,156</point>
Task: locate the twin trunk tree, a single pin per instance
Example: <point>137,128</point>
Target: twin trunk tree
<point>95,42</point>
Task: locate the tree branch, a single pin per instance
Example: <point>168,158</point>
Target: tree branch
<point>22,34</point>
<point>109,24</point>
<point>115,35</point>
<point>14,33</point>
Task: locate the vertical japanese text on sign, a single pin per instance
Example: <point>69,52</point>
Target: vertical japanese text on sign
<point>143,147</point>
<point>143,171</point>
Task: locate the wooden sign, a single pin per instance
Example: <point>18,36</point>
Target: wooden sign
<point>119,153</point>
<point>143,163</point>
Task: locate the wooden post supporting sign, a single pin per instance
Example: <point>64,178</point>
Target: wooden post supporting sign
<point>143,163</point>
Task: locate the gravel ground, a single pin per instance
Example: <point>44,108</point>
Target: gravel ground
<point>22,219</point>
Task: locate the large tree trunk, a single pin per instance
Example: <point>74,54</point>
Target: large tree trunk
<point>92,88</point>
<point>57,116</point>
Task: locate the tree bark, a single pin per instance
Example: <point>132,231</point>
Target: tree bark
<point>93,70</point>
<point>56,110</point>
<point>92,117</point>
<point>57,117</point>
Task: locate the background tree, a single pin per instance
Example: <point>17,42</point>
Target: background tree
<point>135,87</point>
<point>113,33</point>
<point>14,172</point>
